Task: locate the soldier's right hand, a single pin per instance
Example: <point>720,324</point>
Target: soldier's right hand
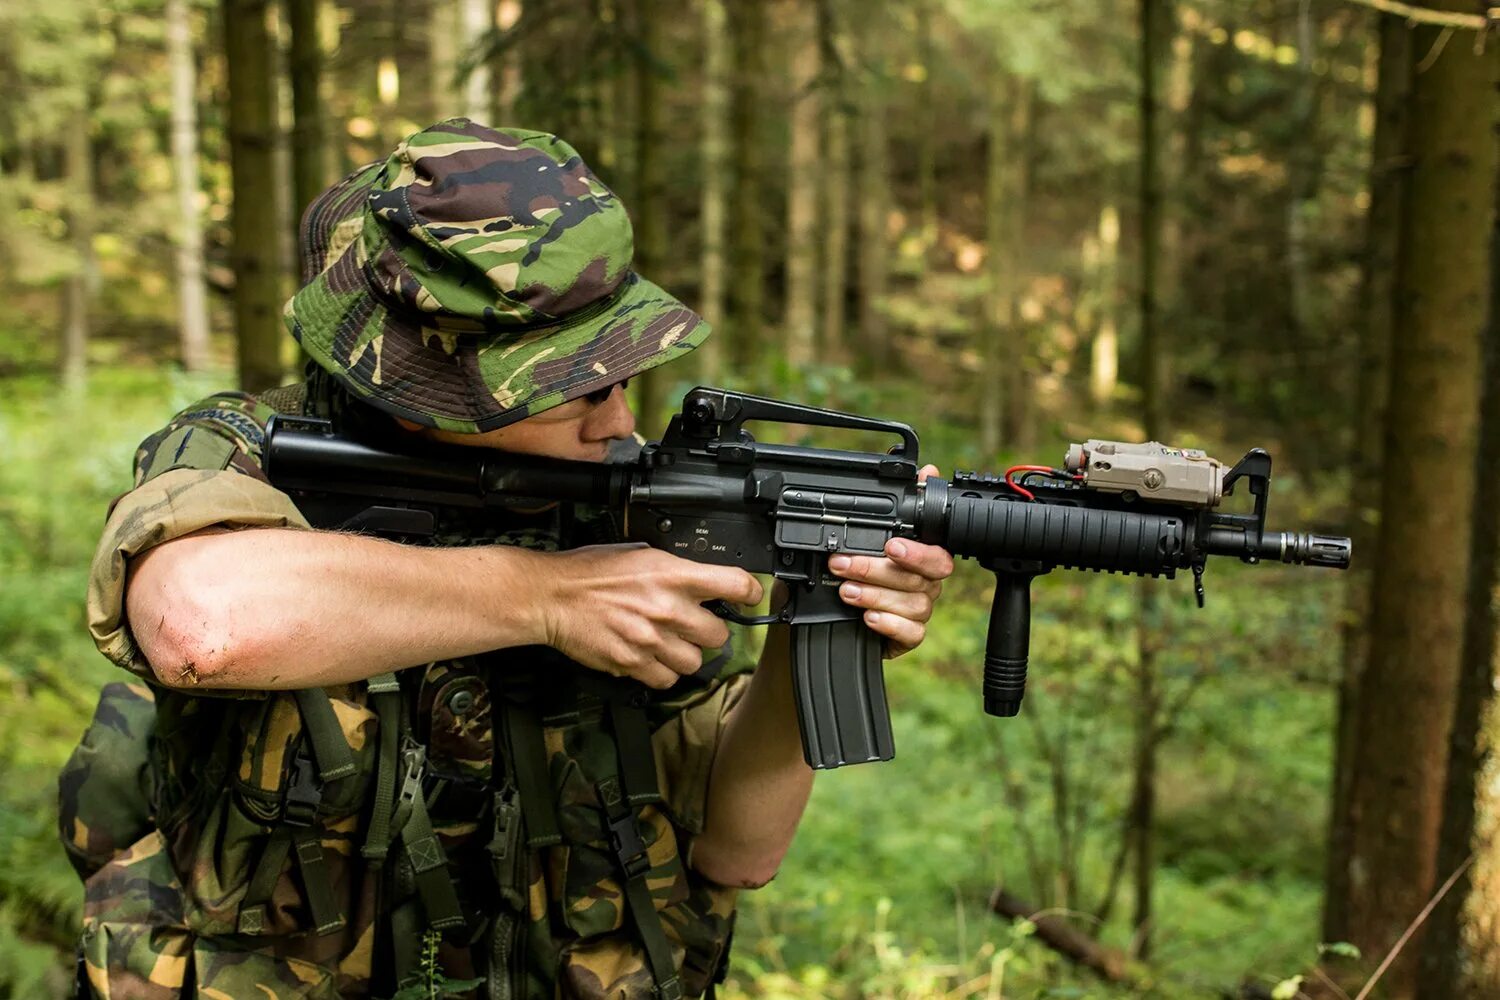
<point>634,611</point>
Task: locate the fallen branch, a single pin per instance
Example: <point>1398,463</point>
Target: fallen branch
<point>1065,939</point>
<point>1426,15</point>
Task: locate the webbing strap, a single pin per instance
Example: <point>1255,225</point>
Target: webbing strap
<point>385,693</point>
<point>252,918</point>
<point>528,754</point>
<point>631,856</point>
<point>430,869</point>
<point>317,883</point>
<point>321,723</point>
<point>637,760</point>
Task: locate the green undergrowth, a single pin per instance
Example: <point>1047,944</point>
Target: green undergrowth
<point>886,890</point>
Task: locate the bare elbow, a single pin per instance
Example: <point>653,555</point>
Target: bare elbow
<point>736,872</point>
<point>179,622</point>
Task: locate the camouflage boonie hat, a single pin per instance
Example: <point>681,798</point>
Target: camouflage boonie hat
<point>477,277</point>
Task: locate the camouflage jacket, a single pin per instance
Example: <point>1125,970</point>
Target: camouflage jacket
<point>302,844</point>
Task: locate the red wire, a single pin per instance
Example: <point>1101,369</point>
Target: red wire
<point>1035,468</point>
<point>1024,468</point>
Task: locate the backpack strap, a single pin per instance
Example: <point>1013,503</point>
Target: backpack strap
<point>297,828</point>
<point>385,694</point>
<point>429,865</point>
<point>321,724</point>
<point>631,856</point>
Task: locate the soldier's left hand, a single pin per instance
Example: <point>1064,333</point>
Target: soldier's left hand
<point>898,591</point>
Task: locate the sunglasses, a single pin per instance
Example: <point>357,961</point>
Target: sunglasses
<point>599,396</point>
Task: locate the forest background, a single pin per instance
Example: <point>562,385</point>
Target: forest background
<point>1012,223</point>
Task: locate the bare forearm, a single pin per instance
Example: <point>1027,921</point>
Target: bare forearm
<point>760,783</point>
<point>270,608</point>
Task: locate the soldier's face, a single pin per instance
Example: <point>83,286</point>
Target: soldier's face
<point>581,430</point>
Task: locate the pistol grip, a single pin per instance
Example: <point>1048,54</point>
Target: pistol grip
<point>840,691</point>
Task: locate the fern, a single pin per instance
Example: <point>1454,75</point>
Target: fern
<point>429,982</point>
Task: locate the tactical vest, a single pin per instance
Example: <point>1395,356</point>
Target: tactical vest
<point>504,810</point>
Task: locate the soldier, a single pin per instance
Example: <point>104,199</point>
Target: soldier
<point>478,767</point>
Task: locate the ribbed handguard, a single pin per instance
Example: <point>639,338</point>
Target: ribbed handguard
<point>840,693</point>
<point>985,527</point>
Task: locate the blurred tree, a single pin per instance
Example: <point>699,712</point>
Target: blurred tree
<point>1389,161</point>
<point>714,154</point>
<point>1104,353</point>
<point>804,166</point>
<point>254,252</point>
<point>648,204</point>
<point>873,194</point>
<point>920,72</point>
<point>476,22</point>
<point>308,139</point>
<point>834,171</point>
<point>192,292</point>
<point>1403,722</point>
<point>505,67</point>
<point>1003,390</point>
<point>78,288</point>
<point>747,230</point>
<point>1462,955</point>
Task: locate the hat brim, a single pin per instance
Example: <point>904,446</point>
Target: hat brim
<point>469,381</point>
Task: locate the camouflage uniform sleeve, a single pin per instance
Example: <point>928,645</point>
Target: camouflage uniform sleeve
<point>685,748</point>
<point>202,470</point>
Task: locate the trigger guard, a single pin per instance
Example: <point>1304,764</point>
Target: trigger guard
<point>727,611</point>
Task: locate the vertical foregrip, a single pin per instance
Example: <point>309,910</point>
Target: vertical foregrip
<point>840,691</point>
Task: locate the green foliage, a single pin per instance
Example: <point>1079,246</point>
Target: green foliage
<point>65,458</point>
<point>430,983</point>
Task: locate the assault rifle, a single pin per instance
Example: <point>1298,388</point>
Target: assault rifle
<point>710,492</point>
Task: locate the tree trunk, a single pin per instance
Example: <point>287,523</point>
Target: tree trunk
<point>1378,303</point>
<point>78,150</point>
<point>1153,27</point>
<point>1473,899</point>
<point>650,190</point>
<point>873,248</point>
<point>803,168</point>
<point>926,135</point>
<point>747,230</point>
<point>715,151</point>
<point>1003,382</point>
<point>836,183</point>
<point>309,132</point>
<point>1403,723</point>
<point>442,57</point>
<point>475,19</point>
<point>1104,360</point>
<point>505,68</point>
<point>255,242</point>
<point>192,292</point>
